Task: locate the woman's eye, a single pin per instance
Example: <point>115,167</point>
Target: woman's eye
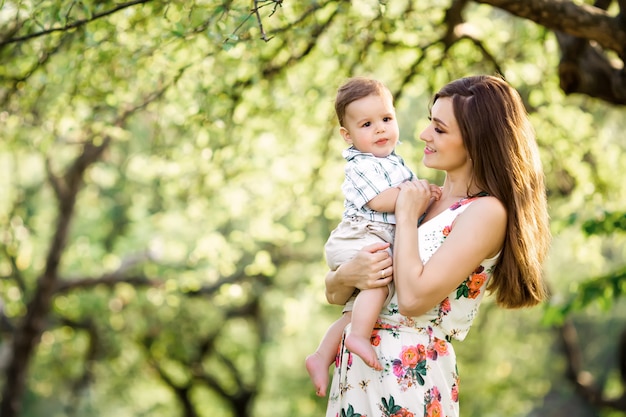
<point>438,130</point>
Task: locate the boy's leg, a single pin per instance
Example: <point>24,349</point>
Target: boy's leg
<point>367,307</point>
<point>318,362</point>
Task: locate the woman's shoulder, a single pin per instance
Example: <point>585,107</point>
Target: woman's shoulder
<point>484,207</point>
<point>485,217</point>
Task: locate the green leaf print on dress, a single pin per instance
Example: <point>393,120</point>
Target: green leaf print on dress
<point>391,409</point>
<point>350,412</point>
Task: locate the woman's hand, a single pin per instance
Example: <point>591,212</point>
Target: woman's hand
<point>370,268</point>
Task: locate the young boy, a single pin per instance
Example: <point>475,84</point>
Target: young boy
<point>367,121</point>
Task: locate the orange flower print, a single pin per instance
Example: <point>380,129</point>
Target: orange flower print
<point>446,231</point>
<point>432,403</point>
<point>412,355</point>
<point>434,409</point>
<point>409,356</point>
<point>444,307</point>
<point>375,338</point>
<point>436,348</point>
<point>475,282</point>
<point>410,367</point>
<point>455,389</point>
<point>441,346</point>
<point>470,288</point>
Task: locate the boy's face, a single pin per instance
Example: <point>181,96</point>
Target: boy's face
<point>370,125</point>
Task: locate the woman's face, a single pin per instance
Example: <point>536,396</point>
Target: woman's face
<point>444,149</point>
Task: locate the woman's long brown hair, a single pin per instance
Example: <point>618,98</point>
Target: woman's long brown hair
<point>501,143</point>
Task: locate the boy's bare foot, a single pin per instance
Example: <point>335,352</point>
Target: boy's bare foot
<point>318,371</point>
<point>362,347</point>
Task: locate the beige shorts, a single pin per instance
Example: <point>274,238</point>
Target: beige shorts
<point>349,237</point>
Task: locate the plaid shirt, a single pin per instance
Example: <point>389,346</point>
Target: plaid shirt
<point>366,177</point>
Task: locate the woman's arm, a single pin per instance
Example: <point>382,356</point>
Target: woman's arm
<point>477,234</point>
<point>370,268</point>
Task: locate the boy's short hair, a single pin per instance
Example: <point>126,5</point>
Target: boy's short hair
<point>356,88</point>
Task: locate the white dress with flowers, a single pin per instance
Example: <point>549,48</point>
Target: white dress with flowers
<point>419,376</point>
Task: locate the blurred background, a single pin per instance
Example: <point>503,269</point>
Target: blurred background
<point>170,170</point>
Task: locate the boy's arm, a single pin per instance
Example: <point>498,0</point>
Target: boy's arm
<point>385,202</point>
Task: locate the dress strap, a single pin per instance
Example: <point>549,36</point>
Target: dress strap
<point>455,205</point>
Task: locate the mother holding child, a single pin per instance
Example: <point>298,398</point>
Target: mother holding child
<point>485,229</point>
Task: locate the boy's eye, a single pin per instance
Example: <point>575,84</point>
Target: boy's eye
<point>387,119</point>
<point>367,124</point>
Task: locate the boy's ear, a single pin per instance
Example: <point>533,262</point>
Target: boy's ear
<point>346,135</point>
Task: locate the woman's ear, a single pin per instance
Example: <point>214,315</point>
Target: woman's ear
<point>345,134</point>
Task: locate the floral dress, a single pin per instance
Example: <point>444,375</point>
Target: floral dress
<point>419,376</point>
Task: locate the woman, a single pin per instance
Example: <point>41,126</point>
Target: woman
<point>488,230</point>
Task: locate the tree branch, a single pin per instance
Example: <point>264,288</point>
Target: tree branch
<point>621,17</point>
<point>81,384</point>
<point>585,69</point>
<point>584,33</point>
<point>27,335</point>
<point>181,391</point>
<point>580,20</point>
<point>583,381</point>
<point>72,25</point>
<point>108,280</point>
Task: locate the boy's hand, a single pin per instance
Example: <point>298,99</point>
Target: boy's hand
<point>435,191</point>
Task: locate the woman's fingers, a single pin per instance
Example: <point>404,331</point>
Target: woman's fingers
<point>376,247</point>
<point>374,261</point>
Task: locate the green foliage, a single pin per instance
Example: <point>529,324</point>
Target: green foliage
<point>609,222</point>
<point>602,290</point>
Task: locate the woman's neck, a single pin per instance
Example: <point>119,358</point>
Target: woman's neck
<point>459,181</point>
<point>459,190</point>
